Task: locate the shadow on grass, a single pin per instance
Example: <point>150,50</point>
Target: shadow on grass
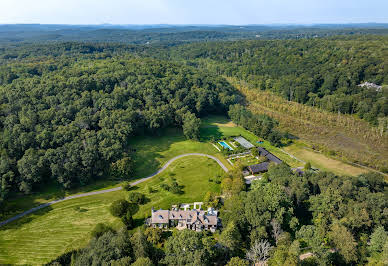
<point>210,133</point>
<point>139,222</point>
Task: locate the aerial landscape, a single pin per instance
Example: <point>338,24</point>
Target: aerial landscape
<point>193,133</point>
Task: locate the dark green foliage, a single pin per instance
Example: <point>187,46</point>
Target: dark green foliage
<point>141,247</point>
<point>108,247</point>
<point>260,125</point>
<point>126,186</point>
<point>154,235</point>
<point>119,208</point>
<point>142,262</point>
<point>236,261</point>
<point>185,248</point>
<point>127,220</point>
<point>137,198</point>
<point>100,229</point>
<point>191,126</point>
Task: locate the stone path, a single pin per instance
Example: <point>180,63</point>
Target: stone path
<point>112,189</point>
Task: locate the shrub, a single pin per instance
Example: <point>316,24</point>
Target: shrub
<point>136,197</point>
<point>150,189</point>
<point>119,207</point>
<point>165,187</point>
<point>307,166</point>
<point>175,188</point>
<point>127,186</point>
<point>100,229</point>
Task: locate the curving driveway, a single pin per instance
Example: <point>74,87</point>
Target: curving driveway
<point>112,189</point>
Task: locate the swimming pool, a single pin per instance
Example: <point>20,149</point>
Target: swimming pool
<point>225,145</point>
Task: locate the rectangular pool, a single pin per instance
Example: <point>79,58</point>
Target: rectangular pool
<point>225,145</point>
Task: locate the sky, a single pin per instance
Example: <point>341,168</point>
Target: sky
<point>232,12</point>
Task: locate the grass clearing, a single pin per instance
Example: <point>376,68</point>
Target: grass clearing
<point>323,162</point>
<point>48,233</point>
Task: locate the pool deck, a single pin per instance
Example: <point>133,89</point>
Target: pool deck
<point>225,145</point>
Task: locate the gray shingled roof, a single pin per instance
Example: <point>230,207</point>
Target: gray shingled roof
<point>258,168</point>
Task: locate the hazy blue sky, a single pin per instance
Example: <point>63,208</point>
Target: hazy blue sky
<point>192,11</point>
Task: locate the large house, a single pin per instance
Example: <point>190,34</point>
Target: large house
<point>263,167</point>
<point>195,219</point>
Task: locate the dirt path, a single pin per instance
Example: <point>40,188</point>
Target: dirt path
<point>112,189</point>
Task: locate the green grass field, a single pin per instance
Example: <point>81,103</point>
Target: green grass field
<point>153,152</point>
<point>322,161</point>
<point>42,236</point>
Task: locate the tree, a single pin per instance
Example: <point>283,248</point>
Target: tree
<point>378,239</point>
<point>108,247</point>
<point>137,198</point>
<point>154,235</point>
<point>307,166</point>
<point>142,262</point>
<point>122,168</point>
<point>185,248</point>
<point>344,241</point>
<point>29,169</point>
<point>127,219</point>
<point>119,208</point>
<point>191,126</point>
<point>231,237</point>
<point>236,261</point>
<point>276,230</point>
<point>141,247</point>
<point>101,229</point>
<point>259,252</point>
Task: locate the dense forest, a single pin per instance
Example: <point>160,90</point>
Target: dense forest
<point>67,120</point>
<point>319,72</point>
<point>328,219</point>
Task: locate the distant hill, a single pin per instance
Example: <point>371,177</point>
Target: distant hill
<point>175,34</point>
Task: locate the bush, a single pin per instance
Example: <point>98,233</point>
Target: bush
<point>307,166</point>
<point>150,189</point>
<point>119,208</point>
<point>127,186</point>
<point>136,197</point>
<point>165,187</point>
<point>100,229</point>
<point>175,188</point>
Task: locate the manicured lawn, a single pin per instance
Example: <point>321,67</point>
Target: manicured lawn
<point>323,162</point>
<point>42,236</point>
<point>152,152</point>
